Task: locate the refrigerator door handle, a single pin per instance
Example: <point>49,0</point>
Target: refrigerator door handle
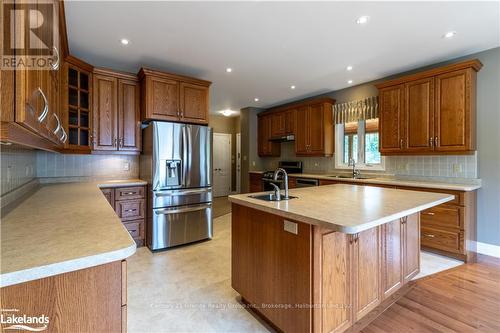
<point>181,192</point>
<point>185,161</point>
<point>181,210</point>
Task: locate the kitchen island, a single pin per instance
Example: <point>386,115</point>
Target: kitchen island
<point>322,261</point>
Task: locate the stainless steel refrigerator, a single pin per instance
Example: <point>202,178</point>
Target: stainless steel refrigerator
<point>177,164</point>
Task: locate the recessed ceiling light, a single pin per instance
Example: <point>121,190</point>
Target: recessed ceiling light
<point>363,19</point>
<point>350,81</point>
<point>229,70</point>
<point>449,34</point>
<point>349,68</point>
<point>124,41</point>
<point>256,99</point>
<point>227,112</point>
<point>292,87</point>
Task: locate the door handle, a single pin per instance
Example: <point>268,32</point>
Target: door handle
<point>45,106</point>
<point>181,193</point>
<point>55,66</point>
<point>181,210</point>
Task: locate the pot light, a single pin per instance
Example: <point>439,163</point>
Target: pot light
<point>349,68</point>
<point>124,41</point>
<point>350,81</point>
<point>227,112</point>
<point>362,19</point>
<point>256,99</point>
<point>449,34</point>
<point>229,70</point>
<point>292,87</point>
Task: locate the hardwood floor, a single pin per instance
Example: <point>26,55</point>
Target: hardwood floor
<point>462,299</point>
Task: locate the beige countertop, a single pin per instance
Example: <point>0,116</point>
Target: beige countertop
<point>61,228</point>
<point>390,181</point>
<point>346,208</point>
<point>121,183</point>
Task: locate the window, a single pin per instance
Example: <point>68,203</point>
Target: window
<point>359,141</point>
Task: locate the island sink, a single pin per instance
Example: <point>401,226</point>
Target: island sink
<point>269,197</point>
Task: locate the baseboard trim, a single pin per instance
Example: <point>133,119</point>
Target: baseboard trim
<point>488,249</point>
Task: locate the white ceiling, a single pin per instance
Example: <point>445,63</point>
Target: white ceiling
<point>272,45</point>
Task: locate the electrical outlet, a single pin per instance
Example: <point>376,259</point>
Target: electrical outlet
<point>126,166</point>
<point>457,168</point>
<point>316,164</point>
<point>253,163</point>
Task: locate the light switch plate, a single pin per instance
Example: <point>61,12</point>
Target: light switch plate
<point>126,166</point>
<point>291,227</point>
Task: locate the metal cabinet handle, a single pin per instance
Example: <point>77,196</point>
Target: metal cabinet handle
<point>130,210</point>
<point>436,141</point>
<point>181,210</point>
<point>430,213</point>
<point>58,127</point>
<point>55,65</point>
<point>64,136</point>
<point>431,141</point>
<point>429,235</point>
<point>401,143</point>
<point>129,193</point>
<point>45,107</point>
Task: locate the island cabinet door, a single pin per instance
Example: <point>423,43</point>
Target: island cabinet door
<point>411,246</point>
<point>366,259</point>
<point>391,257</point>
<point>332,270</point>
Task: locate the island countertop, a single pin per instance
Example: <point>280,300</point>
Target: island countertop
<point>346,208</point>
<point>58,229</point>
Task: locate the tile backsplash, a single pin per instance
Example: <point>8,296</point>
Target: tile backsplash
<point>18,167</point>
<point>450,166</point>
<point>88,166</point>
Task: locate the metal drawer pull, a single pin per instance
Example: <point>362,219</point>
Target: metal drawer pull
<point>429,235</point>
<point>130,210</point>
<point>58,128</point>
<point>430,213</point>
<point>129,193</point>
<point>55,66</point>
<point>45,107</point>
<point>64,136</point>
<point>132,231</point>
<point>181,210</point>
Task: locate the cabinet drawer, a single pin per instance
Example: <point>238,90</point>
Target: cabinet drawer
<point>442,239</point>
<point>127,193</point>
<point>130,209</point>
<point>443,216</point>
<point>134,228</point>
<point>459,199</point>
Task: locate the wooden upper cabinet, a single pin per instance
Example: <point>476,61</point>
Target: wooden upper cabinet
<point>317,128</point>
<point>290,121</point>
<point>265,146</point>
<point>431,112</point>
<point>278,124</point>
<point>194,103</point>
<point>172,97</point>
<point>391,101</point>
<point>117,125</point>
<point>314,130</point>
<point>455,119</point>
<point>419,115</point>
<point>105,112</point>
<point>301,131</point>
<point>129,123</point>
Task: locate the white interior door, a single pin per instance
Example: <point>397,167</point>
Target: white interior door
<point>222,164</point>
<point>238,163</point>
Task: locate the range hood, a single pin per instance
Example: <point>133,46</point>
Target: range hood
<point>283,138</point>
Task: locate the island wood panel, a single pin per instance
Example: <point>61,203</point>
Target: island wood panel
<point>87,300</point>
<point>332,281</point>
<point>272,266</point>
<point>391,257</point>
<point>367,258</point>
<point>411,246</point>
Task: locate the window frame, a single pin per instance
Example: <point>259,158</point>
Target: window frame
<point>339,149</point>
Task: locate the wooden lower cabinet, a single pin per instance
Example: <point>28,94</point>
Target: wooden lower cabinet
<point>344,277</point>
<point>129,204</point>
<point>87,300</point>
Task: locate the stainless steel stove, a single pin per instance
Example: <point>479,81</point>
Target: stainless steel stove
<point>289,166</point>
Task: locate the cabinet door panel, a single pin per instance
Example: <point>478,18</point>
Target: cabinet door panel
<point>302,132</point>
<point>391,257</point>
<point>105,112</point>
<point>391,122</point>
<point>129,124</point>
<point>290,121</point>
<point>316,129</point>
<point>419,115</point>
<point>194,103</point>
<point>411,247</point>
<point>162,99</point>
<point>453,111</point>
<point>262,129</point>
<point>277,124</point>
<point>367,258</point>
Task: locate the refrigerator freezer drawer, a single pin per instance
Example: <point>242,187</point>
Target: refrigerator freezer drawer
<point>180,225</point>
<point>191,196</point>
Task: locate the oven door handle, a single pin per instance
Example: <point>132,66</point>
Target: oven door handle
<point>165,211</point>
